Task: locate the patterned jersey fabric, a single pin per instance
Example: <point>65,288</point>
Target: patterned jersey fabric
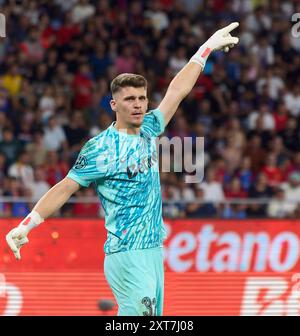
<point>124,170</point>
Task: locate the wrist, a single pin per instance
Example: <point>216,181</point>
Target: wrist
<point>32,220</point>
<point>202,54</point>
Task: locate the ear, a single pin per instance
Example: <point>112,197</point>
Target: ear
<point>113,105</point>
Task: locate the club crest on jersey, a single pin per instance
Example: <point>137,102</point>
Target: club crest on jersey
<point>81,162</point>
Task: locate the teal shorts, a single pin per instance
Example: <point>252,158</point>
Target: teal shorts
<point>136,278</point>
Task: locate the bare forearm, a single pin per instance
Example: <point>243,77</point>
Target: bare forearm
<point>185,80</point>
<point>180,86</point>
<point>55,198</point>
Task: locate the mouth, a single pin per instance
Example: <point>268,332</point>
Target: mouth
<point>137,115</point>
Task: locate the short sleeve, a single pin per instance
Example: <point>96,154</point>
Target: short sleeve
<point>153,123</point>
<point>85,170</point>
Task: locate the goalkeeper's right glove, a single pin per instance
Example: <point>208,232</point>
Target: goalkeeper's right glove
<point>17,237</point>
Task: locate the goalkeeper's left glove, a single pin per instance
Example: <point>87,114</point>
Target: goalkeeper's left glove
<point>220,40</point>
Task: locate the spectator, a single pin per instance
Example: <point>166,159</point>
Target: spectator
<point>36,149</point>
<point>47,103</point>
<point>76,132</point>
<point>234,211</point>
<point>9,146</point>
<point>235,131</point>
<point>67,31</point>
<point>87,209</point>
<point>82,11</point>
<point>276,146</point>
<point>271,171</point>
<point>264,116</point>
<point>201,208</point>
<point>290,135</point>
<point>187,193</point>
<point>294,165</point>
<point>292,100</point>
<point>213,191</point>
<point>25,133</point>
<point>100,61</point>
<point>126,61</point>
<point>159,19</point>
<point>258,21</point>
<point>262,192</point>
<point>292,189</point>
<point>12,80</point>
<point>82,86</point>
<point>174,209</point>
<point>245,174</point>
<point>263,51</point>
<point>178,60</point>
<point>15,189</point>
<point>232,153</point>
<point>255,152</point>
<point>54,136</point>
<point>32,47</point>
<point>55,169</point>
<point>39,186</point>
<point>272,81</point>
<point>281,117</point>
<point>235,189</point>
<point>21,169</point>
<point>279,207</point>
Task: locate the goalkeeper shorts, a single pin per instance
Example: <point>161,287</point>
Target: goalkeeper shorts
<point>136,278</point>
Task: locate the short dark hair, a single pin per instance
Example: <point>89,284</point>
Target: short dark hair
<point>127,79</point>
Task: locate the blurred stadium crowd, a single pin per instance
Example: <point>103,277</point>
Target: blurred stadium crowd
<point>59,57</point>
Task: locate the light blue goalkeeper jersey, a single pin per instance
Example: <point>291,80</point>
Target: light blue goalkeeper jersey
<point>124,170</point>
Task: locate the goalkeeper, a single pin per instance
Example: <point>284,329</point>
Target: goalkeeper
<point>122,164</point>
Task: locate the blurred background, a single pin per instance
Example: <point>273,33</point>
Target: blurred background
<point>56,64</point>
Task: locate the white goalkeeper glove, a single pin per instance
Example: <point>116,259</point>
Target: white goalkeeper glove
<point>17,237</point>
<point>220,40</point>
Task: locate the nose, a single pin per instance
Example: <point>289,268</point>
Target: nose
<point>137,103</point>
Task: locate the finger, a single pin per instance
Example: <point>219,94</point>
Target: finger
<point>230,27</point>
<point>17,254</point>
<point>231,40</point>
<point>23,241</point>
<point>227,48</point>
<point>14,233</point>
<point>11,243</point>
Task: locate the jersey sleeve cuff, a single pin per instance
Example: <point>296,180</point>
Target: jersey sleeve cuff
<point>77,179</point>
<point>158,114</point>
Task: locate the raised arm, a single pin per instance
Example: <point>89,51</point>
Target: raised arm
<point>184,81</point>
<point>52,201</point>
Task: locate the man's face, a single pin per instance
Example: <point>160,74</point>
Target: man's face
<point>130,105</point>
